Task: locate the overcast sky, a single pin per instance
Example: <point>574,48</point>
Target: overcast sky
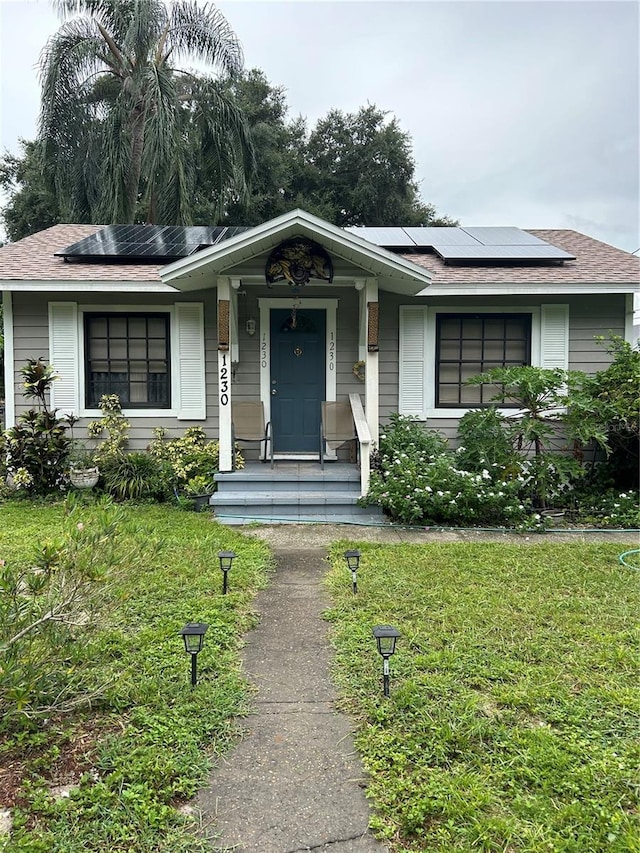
<point>521,113</point>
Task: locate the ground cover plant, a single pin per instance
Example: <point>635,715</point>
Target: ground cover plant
<point>513,722</point>
<point>128,734</point>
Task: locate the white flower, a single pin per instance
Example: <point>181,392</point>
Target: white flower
<point>485,474</point>
<point>428,489</point>
<point>440,494</point>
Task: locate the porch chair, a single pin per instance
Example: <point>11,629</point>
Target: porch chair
<point>336,426</point>
<point>248,426</point>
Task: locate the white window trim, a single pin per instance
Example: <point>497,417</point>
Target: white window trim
<point>429,314</point>
<point>430,351</point>
<point>129,309</point>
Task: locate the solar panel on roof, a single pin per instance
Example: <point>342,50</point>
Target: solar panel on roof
<point>545,252</point>
<point>152,243</point>
<point>446,235</point>
<point>391,237</point>
<point>499,236</point>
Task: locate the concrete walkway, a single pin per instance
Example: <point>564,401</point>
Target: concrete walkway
<point>294,782</point>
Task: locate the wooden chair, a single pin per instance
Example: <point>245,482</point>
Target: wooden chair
<point>336,426</point>
<point>248,426</point>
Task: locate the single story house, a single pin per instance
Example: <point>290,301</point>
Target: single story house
<point>182,322</point>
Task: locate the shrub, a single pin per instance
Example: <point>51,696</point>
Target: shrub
<point>606,407</point>
<point>192,458</point>
<point>135,476</point>
<point>435,491</point>
<point>37,448</point>
<point>487,437</point>
<point>114,423</point>
<point>46,613</point>
<point>419,481</point>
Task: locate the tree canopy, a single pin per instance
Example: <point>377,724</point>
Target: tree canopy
<point>123,131</point>
<point>350,169</point>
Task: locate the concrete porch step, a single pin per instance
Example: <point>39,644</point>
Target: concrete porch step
<point>292,506</point>
<point>292,492</point>
<point>340,480</point>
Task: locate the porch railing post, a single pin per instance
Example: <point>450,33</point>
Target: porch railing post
<point>224,381</point>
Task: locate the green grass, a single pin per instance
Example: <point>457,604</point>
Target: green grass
<point>149,737</point>
<point>513,723</point>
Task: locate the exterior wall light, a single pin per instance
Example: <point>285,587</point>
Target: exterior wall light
<point>251,326</point>
<point>353,561</point>
<point>193,636</point>
<point>226,559</point>
<point>386,637</point>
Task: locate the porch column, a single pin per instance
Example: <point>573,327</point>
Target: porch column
<point>224,374</point>
<point>371,371</point>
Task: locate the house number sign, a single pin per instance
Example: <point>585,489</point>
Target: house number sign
<point>224,381</point>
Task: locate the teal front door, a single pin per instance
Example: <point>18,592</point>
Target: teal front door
<point>297,378</point>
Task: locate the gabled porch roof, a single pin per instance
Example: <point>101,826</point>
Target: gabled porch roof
<point>394,273</point>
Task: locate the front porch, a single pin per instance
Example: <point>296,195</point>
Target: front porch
<point>293,491</point>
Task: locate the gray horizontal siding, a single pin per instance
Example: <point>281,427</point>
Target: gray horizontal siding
<point>589,316</point>
<point>31,340</point>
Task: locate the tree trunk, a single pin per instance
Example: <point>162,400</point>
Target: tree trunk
<point>137,149</point>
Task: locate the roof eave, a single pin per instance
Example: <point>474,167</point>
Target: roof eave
<point>93,286</point>
<point>511,288</point>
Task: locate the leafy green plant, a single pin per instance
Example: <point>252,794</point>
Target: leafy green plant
<point>541,396</point>
<point>36,449</point>
<point>116,427</point>
<point>46,612</point>
<point>192,457</point>
<point>487,437</point>
<point>605,408</point>
<point>135,476</point>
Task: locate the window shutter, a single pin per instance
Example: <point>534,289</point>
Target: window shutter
<point>190,392</point>
<point>554,336</point>
<point>412,367</point>
<point>64,356</point>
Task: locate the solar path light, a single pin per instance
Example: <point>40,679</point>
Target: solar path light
<point>193,636</point>
<point>386,637</point>
<point>226,559</point>
<point>353,561</point>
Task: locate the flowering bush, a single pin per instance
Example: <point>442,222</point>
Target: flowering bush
<point>192,457</point>
<point>435,491</point>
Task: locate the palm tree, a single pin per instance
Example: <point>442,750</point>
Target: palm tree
<point>124,133</point>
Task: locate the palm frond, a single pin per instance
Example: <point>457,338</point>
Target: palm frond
<point>202,32</point>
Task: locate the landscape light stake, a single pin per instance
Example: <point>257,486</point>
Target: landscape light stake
<point>353,561</point>
<point>386,637</point>
<point>193,636</point>
<point>226,559</point>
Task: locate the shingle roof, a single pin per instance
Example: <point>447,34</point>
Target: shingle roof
<point>596,263</point>
<point>32,259</point>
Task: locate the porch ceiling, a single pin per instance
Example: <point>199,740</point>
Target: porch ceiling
<point>394,273</point>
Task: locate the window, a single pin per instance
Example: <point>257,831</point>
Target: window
<point>440,347</point>
<point>128,355</point>
<point>468,344</point>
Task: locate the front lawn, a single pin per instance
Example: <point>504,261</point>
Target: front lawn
<point>140,749</point>
<point>514,717</point>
